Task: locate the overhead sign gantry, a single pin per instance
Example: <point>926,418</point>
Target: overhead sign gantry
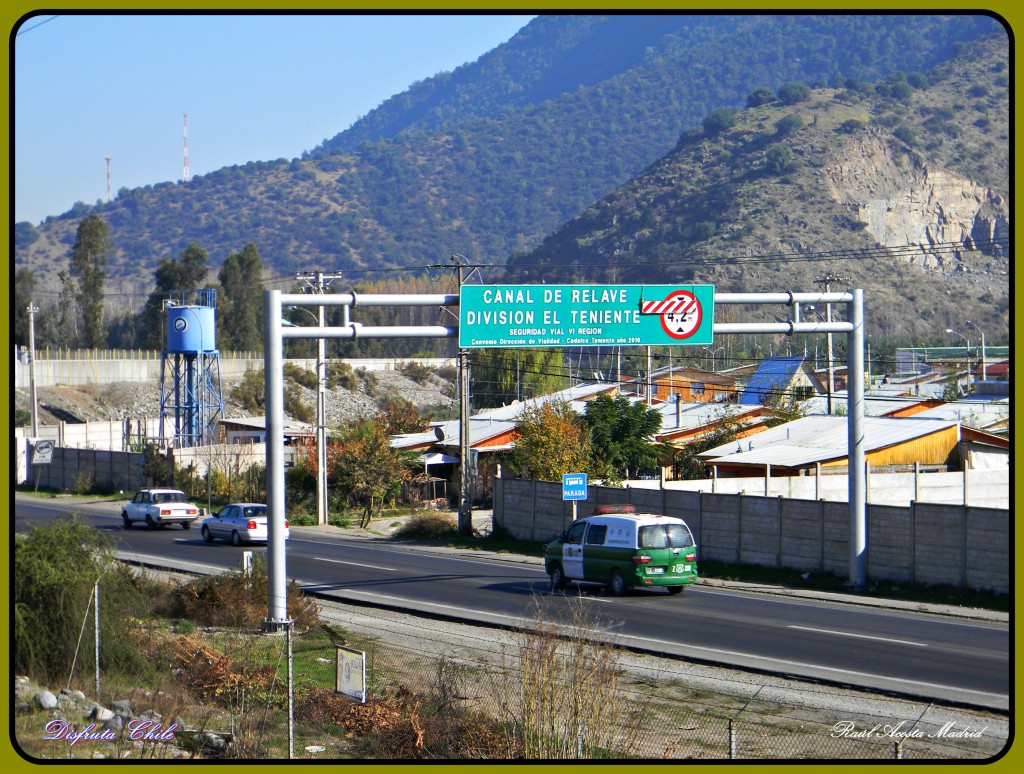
<point>585,315</point>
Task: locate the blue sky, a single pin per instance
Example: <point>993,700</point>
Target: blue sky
<point>255,88</point>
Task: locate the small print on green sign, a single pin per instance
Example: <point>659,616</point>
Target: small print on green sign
<point>585,315</point>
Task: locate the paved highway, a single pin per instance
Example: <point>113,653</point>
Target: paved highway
<point>937,657</point>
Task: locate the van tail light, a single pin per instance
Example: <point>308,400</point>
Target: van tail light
<point>251,525</point>
<point>641,560</point>
<point>691,557</point>
<point>286,523</point>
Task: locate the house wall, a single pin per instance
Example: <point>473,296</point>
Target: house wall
<point>923,543</point>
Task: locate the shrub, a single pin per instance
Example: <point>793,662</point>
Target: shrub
<point>793,92</point>
<point>425,526</point>
<point>759,97</point>
<point>718,121</point>
<point>55,571</point>
<point>778,158</point>
<point>905,134</point>
<point>238,601</point>
<point>418,372</point>
<point>789,124</point>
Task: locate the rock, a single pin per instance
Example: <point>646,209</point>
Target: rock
<point>45,700</point>
<point>78,696</point>
<point>212,742</point>
<point>100,714</point>
<point>122,706</point>
<point>115,724</point>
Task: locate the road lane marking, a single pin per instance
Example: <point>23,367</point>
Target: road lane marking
<point>163,561</point>
<point>358,564</point>
<point>683,648</point>
<point>859,636</point>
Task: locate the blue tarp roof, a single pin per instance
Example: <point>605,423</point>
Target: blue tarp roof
<point>774,374</point>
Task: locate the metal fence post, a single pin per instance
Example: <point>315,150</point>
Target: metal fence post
<point>96,612</point>
<point>732,740</point>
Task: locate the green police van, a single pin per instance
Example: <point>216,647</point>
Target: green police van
<point>623,549</point>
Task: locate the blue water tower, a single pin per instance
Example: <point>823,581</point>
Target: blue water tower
<point>191,403</point>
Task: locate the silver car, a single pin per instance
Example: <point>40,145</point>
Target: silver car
<point>239,523</point>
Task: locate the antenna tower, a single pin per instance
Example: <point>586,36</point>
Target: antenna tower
<point>184,167</point>
<point>109,199</point>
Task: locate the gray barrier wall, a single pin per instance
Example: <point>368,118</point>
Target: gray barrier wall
<point>924,543</point>
<point>105,470</point>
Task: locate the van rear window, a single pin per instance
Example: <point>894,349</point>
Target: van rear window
<point>665,536</point>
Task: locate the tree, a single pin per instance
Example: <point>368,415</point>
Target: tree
<point>400,416</point>
<point>620,433</point>
<point>551,441</point>
<point>778,158</point>
<point>788,124</point>
<point>24,290</point>
<point>89,258</point>
<point>362,463</point>
<point>501,376</point>
<point>687,463</point>
<point>793,92</point>
<point>718,121</point>
<point>240,308</point>
<point>188,272</point>
<point>759,97</point>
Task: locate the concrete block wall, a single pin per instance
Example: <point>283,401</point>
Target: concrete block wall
<point>111,470</point>
<point>800,535</point>
<point>925,543</point>
<point>939,533</point>
<point>988,543</point>
<point>890,538</point>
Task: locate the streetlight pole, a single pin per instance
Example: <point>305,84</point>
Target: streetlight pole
<point>984,367</point>
<point>967,356</point>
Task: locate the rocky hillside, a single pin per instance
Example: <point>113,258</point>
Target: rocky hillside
<point>489,159</point>
<point>903,190</point>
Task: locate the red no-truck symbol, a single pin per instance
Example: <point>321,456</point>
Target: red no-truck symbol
<point>679,313</point>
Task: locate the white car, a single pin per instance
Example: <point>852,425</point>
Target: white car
<point>159,508</point>
<point>239,523</point>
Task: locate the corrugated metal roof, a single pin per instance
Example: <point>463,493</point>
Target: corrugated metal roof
<point>820,439</point>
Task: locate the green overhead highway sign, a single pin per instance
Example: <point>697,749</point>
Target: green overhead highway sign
<point>585,315</point>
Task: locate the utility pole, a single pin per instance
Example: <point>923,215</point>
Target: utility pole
<point>984,366</point>
<point>465,518</point>
<point>318,281</point>
<point>32,309</point>
<point>826,283</point>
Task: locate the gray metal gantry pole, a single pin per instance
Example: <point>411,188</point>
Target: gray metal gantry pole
<point>855,444</point>
<point>274,334</point>
<point>273,401</point>
<point>853,327</point>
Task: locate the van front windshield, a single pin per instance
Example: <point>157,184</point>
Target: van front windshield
<point>665,536</point>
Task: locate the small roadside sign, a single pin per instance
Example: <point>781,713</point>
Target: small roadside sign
<point>42,452</point>
<point>574,486</point>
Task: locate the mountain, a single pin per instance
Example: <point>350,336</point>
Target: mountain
<point>489,159</point>
<point>903,189</point>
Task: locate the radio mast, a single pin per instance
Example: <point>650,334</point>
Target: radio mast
<point>109,199</point>
<point>184,166</point>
